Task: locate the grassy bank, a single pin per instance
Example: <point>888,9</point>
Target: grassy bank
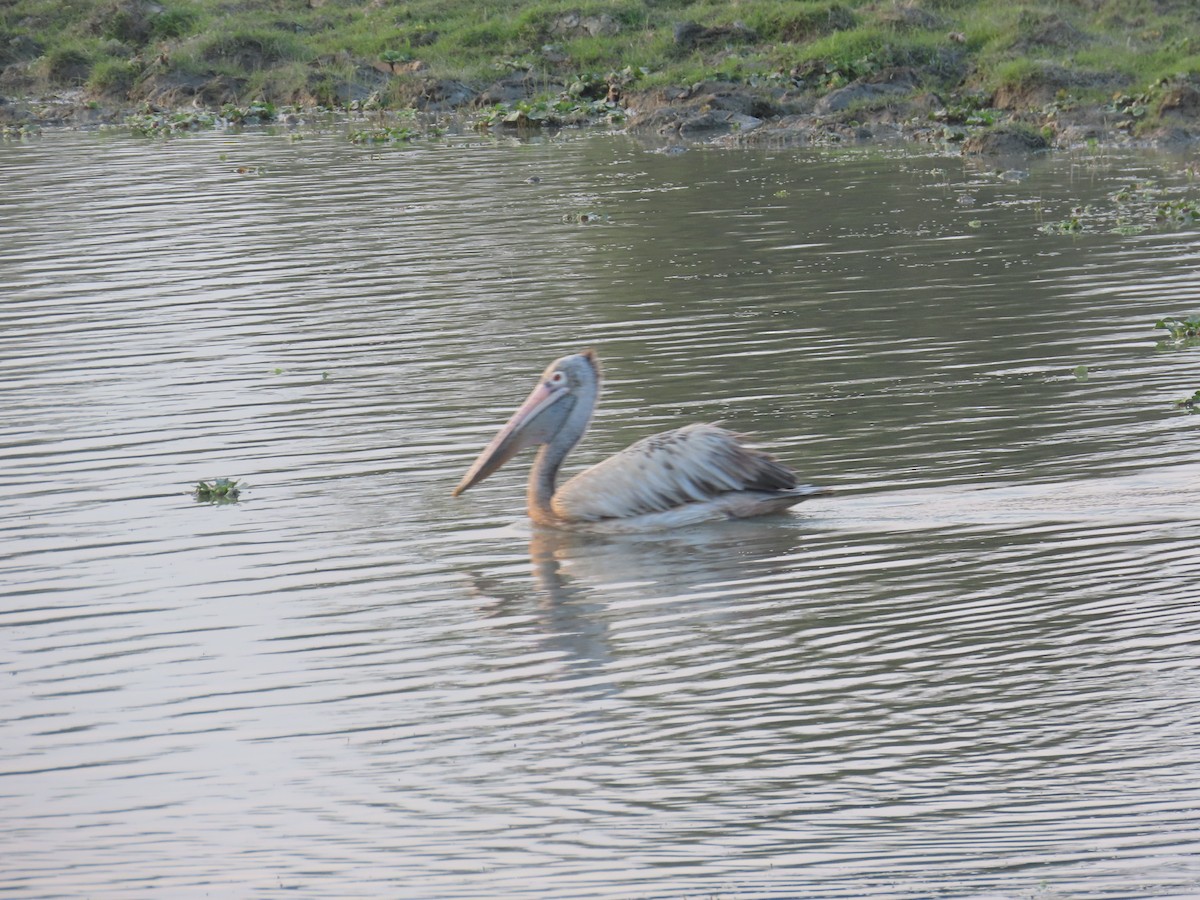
<point>1132,55</point>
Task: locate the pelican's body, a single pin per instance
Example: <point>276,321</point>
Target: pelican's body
<point>681,477</point>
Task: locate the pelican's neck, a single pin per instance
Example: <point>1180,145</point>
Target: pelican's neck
<point>544,475</point>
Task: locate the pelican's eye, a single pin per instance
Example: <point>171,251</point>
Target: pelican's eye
<point>558,379</point>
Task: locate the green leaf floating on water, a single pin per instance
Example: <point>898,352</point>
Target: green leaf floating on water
<point>220,490</point>
<point>584,218</point>
<point>1180,329</point>
<point>1192,402</point>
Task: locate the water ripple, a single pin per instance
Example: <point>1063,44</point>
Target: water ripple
<point>969,674</point>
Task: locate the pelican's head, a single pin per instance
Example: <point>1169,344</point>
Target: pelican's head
<point>562,403</point>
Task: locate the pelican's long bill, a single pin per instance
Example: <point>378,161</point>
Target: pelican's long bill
<point>524,428</point>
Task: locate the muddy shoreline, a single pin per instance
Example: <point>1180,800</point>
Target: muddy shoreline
<point>889,107</point>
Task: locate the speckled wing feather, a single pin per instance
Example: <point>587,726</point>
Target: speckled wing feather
<point>668,470</point>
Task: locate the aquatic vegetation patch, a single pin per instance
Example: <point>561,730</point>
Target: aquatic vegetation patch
<point>1133,209</point>
<point>166,124</point>
<point>1180,213</point>
<point>402,126</point>
<point>549,112</point>
<point>17,132</point>
<point>394,134</point>
<point>1191,403</point>
<point>218,491</point>
<point>1180,330</point>
<point>584,218</point>
<point>157,123</point>
<point>259,112</point>
<point>1070,225</point>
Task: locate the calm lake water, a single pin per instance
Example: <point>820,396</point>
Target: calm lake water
<point>972,673</point>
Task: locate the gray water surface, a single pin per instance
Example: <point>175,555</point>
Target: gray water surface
<point>972,673</point>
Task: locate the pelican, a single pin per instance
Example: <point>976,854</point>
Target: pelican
<point>691,474</point>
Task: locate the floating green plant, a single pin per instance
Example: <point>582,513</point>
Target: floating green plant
<point>395,134</point>
<point>220,490</point>
<point>257,113</point>
<point>1180,329</point>
<point>584,218</point>
<point>1133,209</point>
<point>158,124</point>
<point>1066,226</point>
<point>11,132</point>
<point>1138,192</point>
<point>1179,213</point>
<point>154,123</point>
<point>1192,402</point>
<point>545,112</point>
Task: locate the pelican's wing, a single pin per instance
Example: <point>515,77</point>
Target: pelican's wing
<point>668,470</point>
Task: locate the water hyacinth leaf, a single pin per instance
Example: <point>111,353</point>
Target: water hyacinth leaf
<point>1180,329</point>
<point>1191,403</point>
<point>217,491</point>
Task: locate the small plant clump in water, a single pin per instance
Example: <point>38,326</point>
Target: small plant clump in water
<point>566,110</point>
<point>159,124</point>
<point>1143,192</point>
<point>584,218</point>
<point>1066,226</point>
<point>1180,329</point>
<point>396,134</point>
<point>153,123</point>
<point>1180,213</point>
<point>406,130</point>
<point>257,113</point>
<point>16,132</point>
<point>1192,402</point>
<point>218,491</point>
<point>1133,209</point>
